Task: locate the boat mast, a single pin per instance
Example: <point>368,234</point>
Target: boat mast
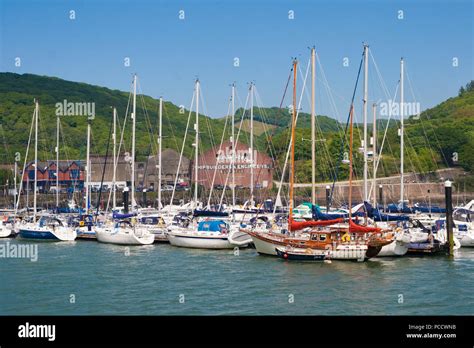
<point>350,160</point>
<point>88,168</point>
<point>374,152</point>
<point>401,132</point>
<point>313,127</point>
<point>251,144</point>
<point>133,137</point>
<point>366,74</point>
<point>114,179</point>
<point>36,159</point>
<point>196,143</point>
<point>233,145</point>
<point>293,126</point>
<point>57,161</point>
<point>160,124</point>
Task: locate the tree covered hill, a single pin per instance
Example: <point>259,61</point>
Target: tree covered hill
<point>441,136</point>
<point>17,93</point>
<point>282,118</point>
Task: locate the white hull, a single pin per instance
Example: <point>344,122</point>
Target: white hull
<point>200,240</point>
<point>239,238</point>
<point>396,248</point>
<point>124,236</point>
<point>5,231</point>
<point>160,233</point>
<point>265,247</point>
<point>466,239</point>
<point>62,234</point>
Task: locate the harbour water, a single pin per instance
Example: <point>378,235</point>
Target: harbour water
<point>89,278</point>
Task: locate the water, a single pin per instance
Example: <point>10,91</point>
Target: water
<point>152,280</point>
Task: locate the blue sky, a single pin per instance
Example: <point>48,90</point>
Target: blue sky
<point>168,53</point>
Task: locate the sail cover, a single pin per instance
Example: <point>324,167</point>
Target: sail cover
<point>298,225</point>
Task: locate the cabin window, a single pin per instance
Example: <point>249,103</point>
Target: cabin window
<point>314,237</point>
<point>322,237</point>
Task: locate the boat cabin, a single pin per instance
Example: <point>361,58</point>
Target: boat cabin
<point>217,226</point>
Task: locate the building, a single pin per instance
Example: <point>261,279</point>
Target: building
<point>169,161</point>
<point>71,175</point>
<point>221,158</point>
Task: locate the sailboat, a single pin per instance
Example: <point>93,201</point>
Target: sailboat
<point>317,240</point>
<point>126,231</point>
<point>150,218</point>
<point>206,232</point>
<point>47,228</point>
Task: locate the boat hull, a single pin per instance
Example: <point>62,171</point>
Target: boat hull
<point>124,238</point>
<point>47,235</point>
<point>5,232</point>
<point>294,256</point>
<point>265,246</point>
<point>199,241</point>
<point>395,248</point>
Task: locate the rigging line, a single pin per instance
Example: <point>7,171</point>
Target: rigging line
<point>24,165</point>
<point>233,156</point>
<point>324,146</point>
<point>434,133</point>
<point>182,149</point>
<point>122,132</point>
<point>345,132</point>
<point>286,88</point>
<point>329,92</point>
<point>103,169</point>
<point>238,134</point>
<point>165,112</point>
<point>217,158</point>
<point>380,150</point>
<point>278,196</point>
<point>272,150</point>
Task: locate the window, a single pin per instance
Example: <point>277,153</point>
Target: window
<point>322,237</point>
<point>314,236</point>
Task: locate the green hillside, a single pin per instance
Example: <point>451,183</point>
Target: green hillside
<point>282,118</point>
<point>17,93</point>
<point>441,136</point>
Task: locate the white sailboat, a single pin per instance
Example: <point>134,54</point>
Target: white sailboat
<point>206,233</point>
<point>150,218</point>
<point>127,232</point>
<point>47,228</point>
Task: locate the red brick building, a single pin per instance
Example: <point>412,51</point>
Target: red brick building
<point>71,174</point>
<point>221,157</point>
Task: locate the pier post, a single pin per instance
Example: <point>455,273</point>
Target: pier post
<point>328,193</point>
<point>125,200</point>
<point>381,197</point>
<point>144,198</point>
<point>449,215</point>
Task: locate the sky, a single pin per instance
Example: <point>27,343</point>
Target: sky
<point>168,53</point>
